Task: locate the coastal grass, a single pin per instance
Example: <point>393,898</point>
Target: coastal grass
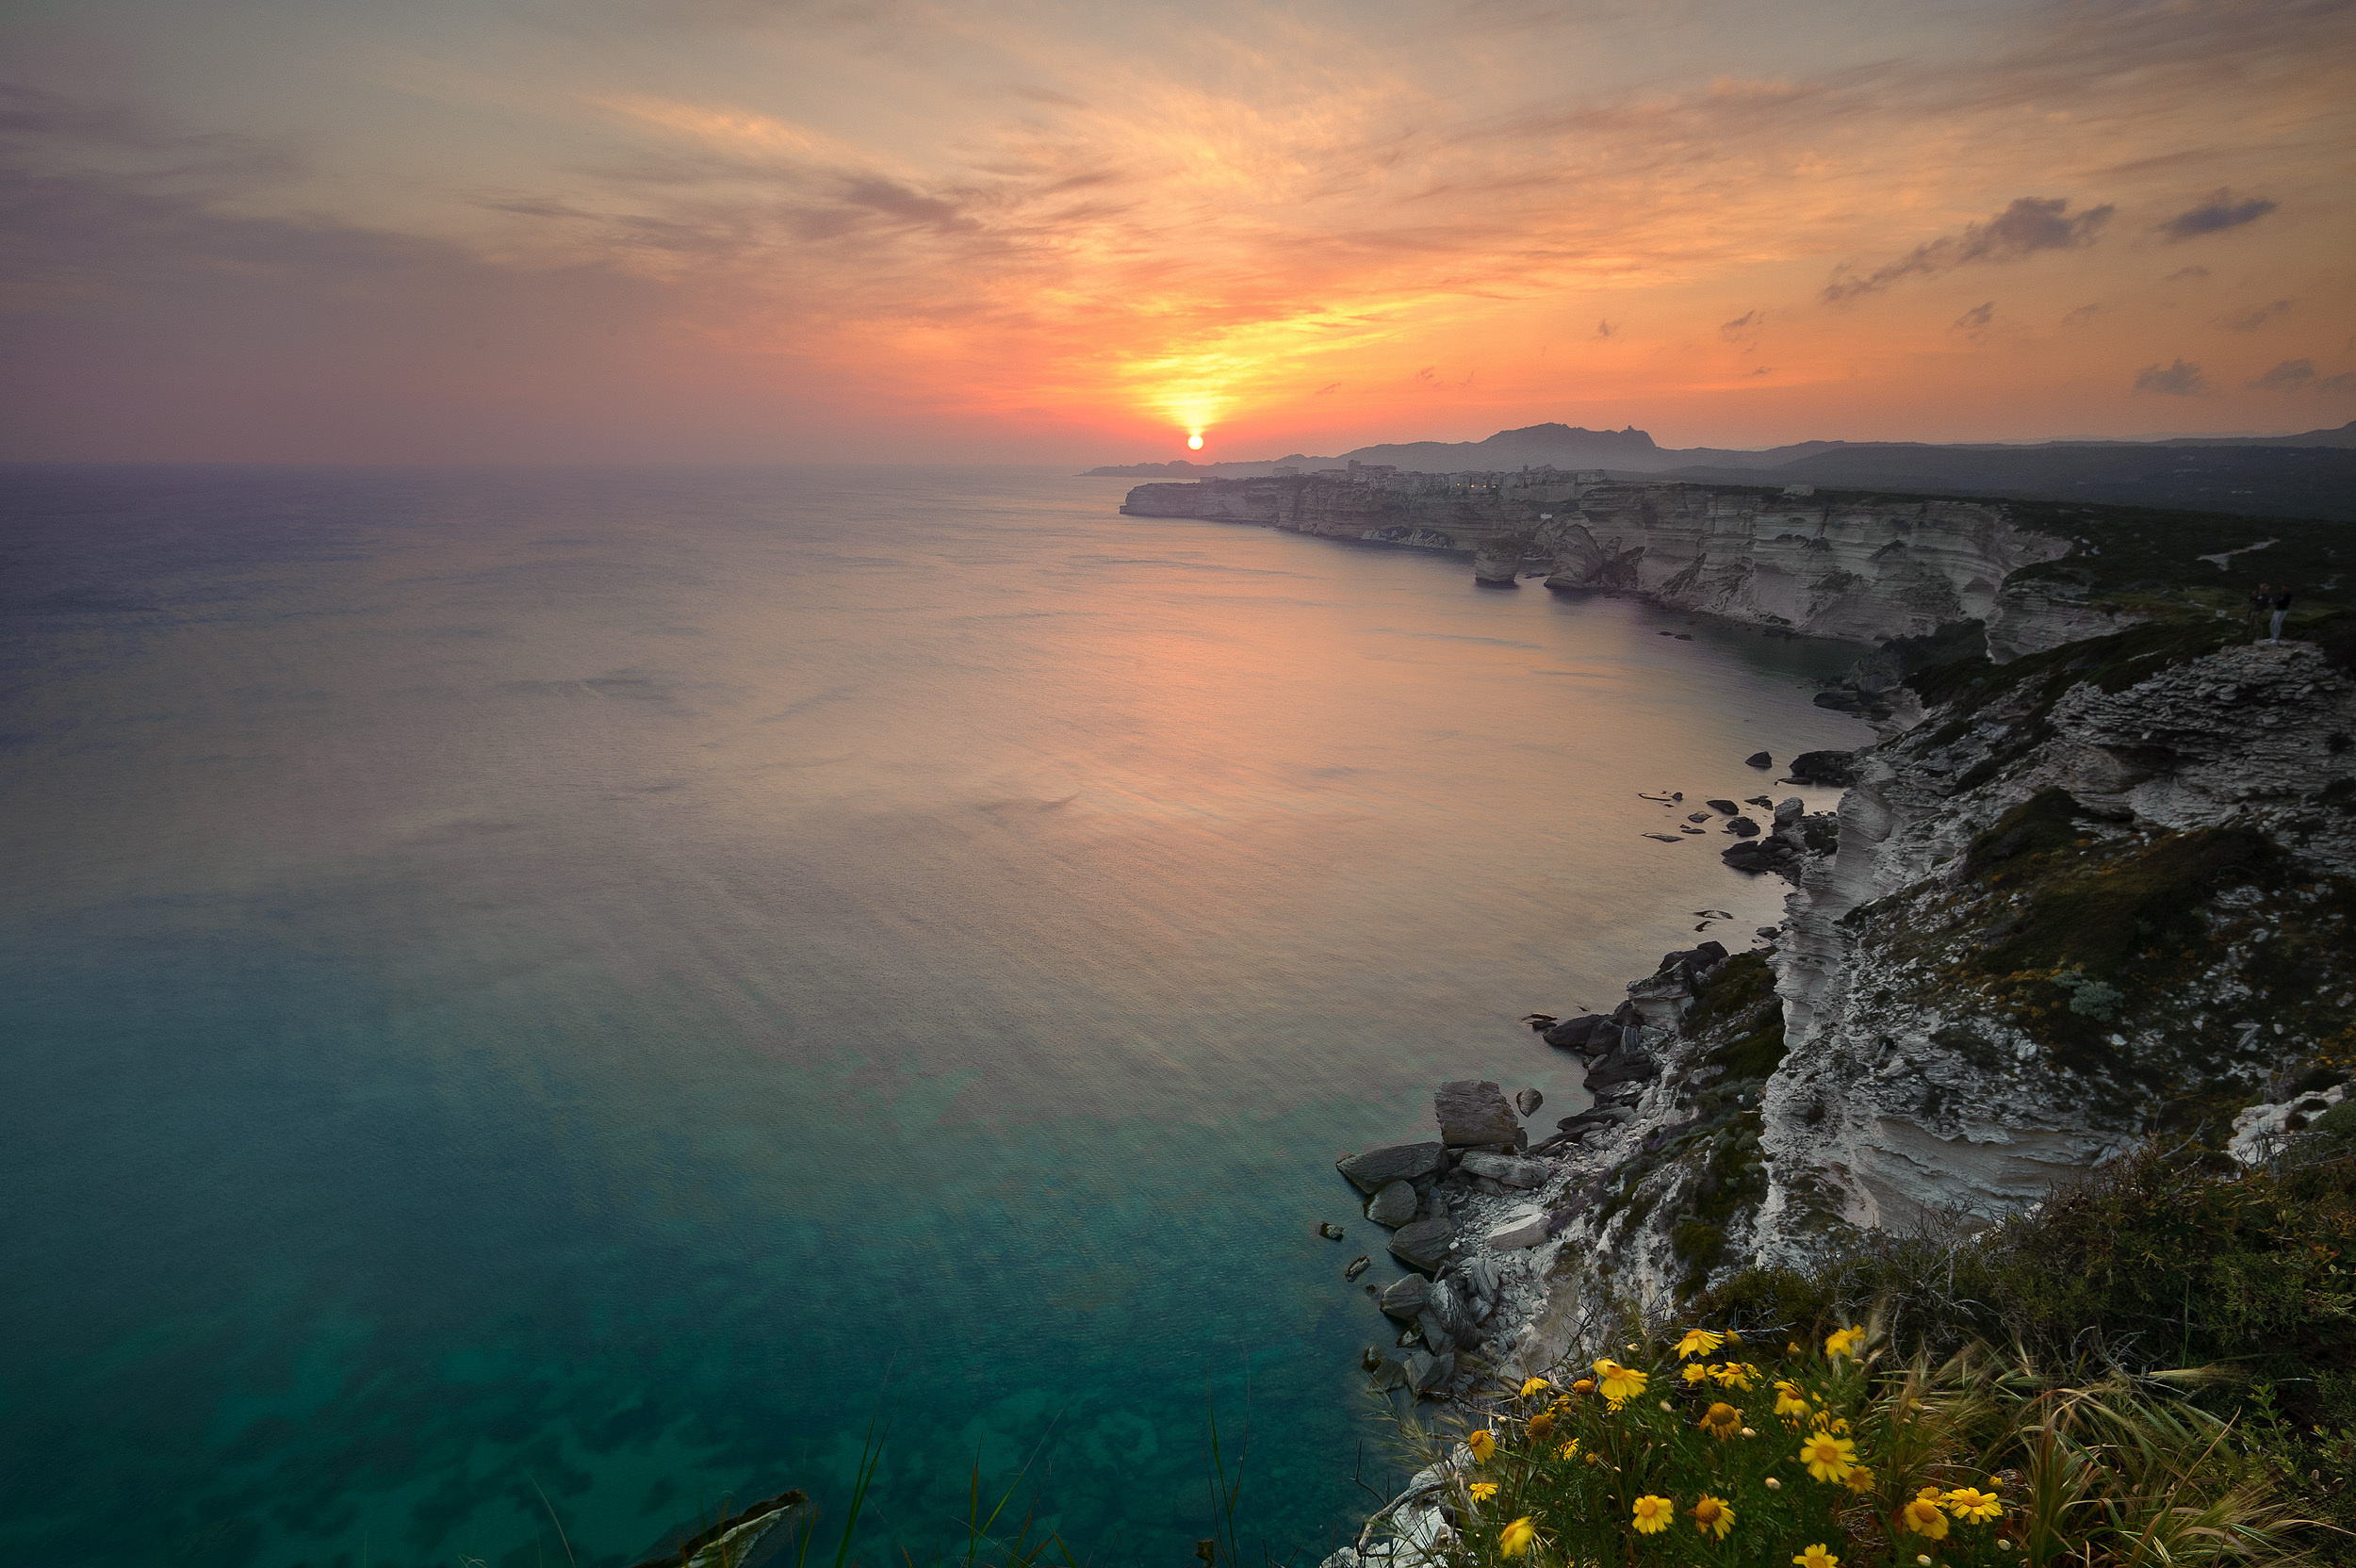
<point>2155,1366</point>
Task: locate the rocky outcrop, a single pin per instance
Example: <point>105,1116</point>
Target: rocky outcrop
<point>2057,924</point>
<point>2098,897</point>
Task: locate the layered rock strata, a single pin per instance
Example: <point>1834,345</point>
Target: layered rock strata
<point>1861,569</point>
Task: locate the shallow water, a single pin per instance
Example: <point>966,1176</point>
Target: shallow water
<point>597,985</point>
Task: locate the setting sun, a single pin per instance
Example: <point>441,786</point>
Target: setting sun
<point>1194,443</point>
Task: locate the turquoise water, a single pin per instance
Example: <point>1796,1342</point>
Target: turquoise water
<point>597,985</point>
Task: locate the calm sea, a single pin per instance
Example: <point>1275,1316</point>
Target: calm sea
<point>560,997</point>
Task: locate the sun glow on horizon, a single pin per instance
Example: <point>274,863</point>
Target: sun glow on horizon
<point>1194,442</point>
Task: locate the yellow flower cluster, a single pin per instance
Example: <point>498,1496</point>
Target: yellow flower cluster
<point>1923,1516</point>
<point>1843,1342</point>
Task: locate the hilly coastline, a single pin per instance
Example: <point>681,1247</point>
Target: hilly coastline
<point>2311,474</point>
<point>2085,905</point>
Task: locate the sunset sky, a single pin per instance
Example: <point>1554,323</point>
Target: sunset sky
<point>734,230</point>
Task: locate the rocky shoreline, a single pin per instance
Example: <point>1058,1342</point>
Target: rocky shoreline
<point>2086,900</point>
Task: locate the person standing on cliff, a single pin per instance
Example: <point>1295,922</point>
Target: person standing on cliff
<point>2260,602</point>
<point>2282,608</point>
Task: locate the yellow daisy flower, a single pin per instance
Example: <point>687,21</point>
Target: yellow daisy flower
<point>1568,1449</point>
<point>1788,1400</point>
<point>1713,1516</point>
<point>1734,1374</point>
<point>1483,1443</point>
<point>1696,1373</point>
<point>1924,1517</point>
<point>1514,1539</point>
<point>1969,1502</point>
<point>1843,1342</point>
<point>1484,1490</point>
<point>1532,1385</point>
<point>1816,1557</point>
<point>1860,1480</point>
<point>1828,1457</point>
<point>1721,1419</point>
<point>1653,1514</point>
<point>1698,1342</point>
<point>1619,1383</point>
<point>1540,1426</point>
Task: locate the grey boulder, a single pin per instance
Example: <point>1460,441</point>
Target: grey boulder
<point>1473,1112</point>
<point>1393,1203</point>
<point>1505,1170</point>
<point>1575,1034</point>
<point>1424,1244</point>
<point>1759,760</point>
<point>1405,1298</point>
<point>1838,768</point>
<point>1481,1278</point>
<point>1400,1161</point>
<point>1528,1102</point>
<point>1519,1233</point>
<point>1627,1064</point>
<point>1790,812</point>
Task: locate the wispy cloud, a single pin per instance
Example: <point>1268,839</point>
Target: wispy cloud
<point>1975,320</point>
<point>2218,212</point>
<point>2031,224</point>
<point>2299,375</point>
<point>2257,315</point>
<point>2179,380</point>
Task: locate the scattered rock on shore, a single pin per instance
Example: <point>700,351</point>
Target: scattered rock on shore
<point>1505,1170</point>
<point>1399,1161</point>
<point>1473,1112</point>
<point>1424,1244</point>
<point>1394,1203</point>
<point>1528,1102</point>
<point>1405,1298</point>
<point>1759,760</point>
<point>1837,769</point>
<point>1529,1232</point>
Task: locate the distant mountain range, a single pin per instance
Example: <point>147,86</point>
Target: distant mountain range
<point>2309,475</point>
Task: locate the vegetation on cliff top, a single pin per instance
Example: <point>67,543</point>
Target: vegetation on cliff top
<point>2156,1366</point>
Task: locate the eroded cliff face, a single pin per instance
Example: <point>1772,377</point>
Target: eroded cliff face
<point>2101,897</point>
<point>1862,570</point>
<point>2057,926</point>
<point>1859,570</point>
